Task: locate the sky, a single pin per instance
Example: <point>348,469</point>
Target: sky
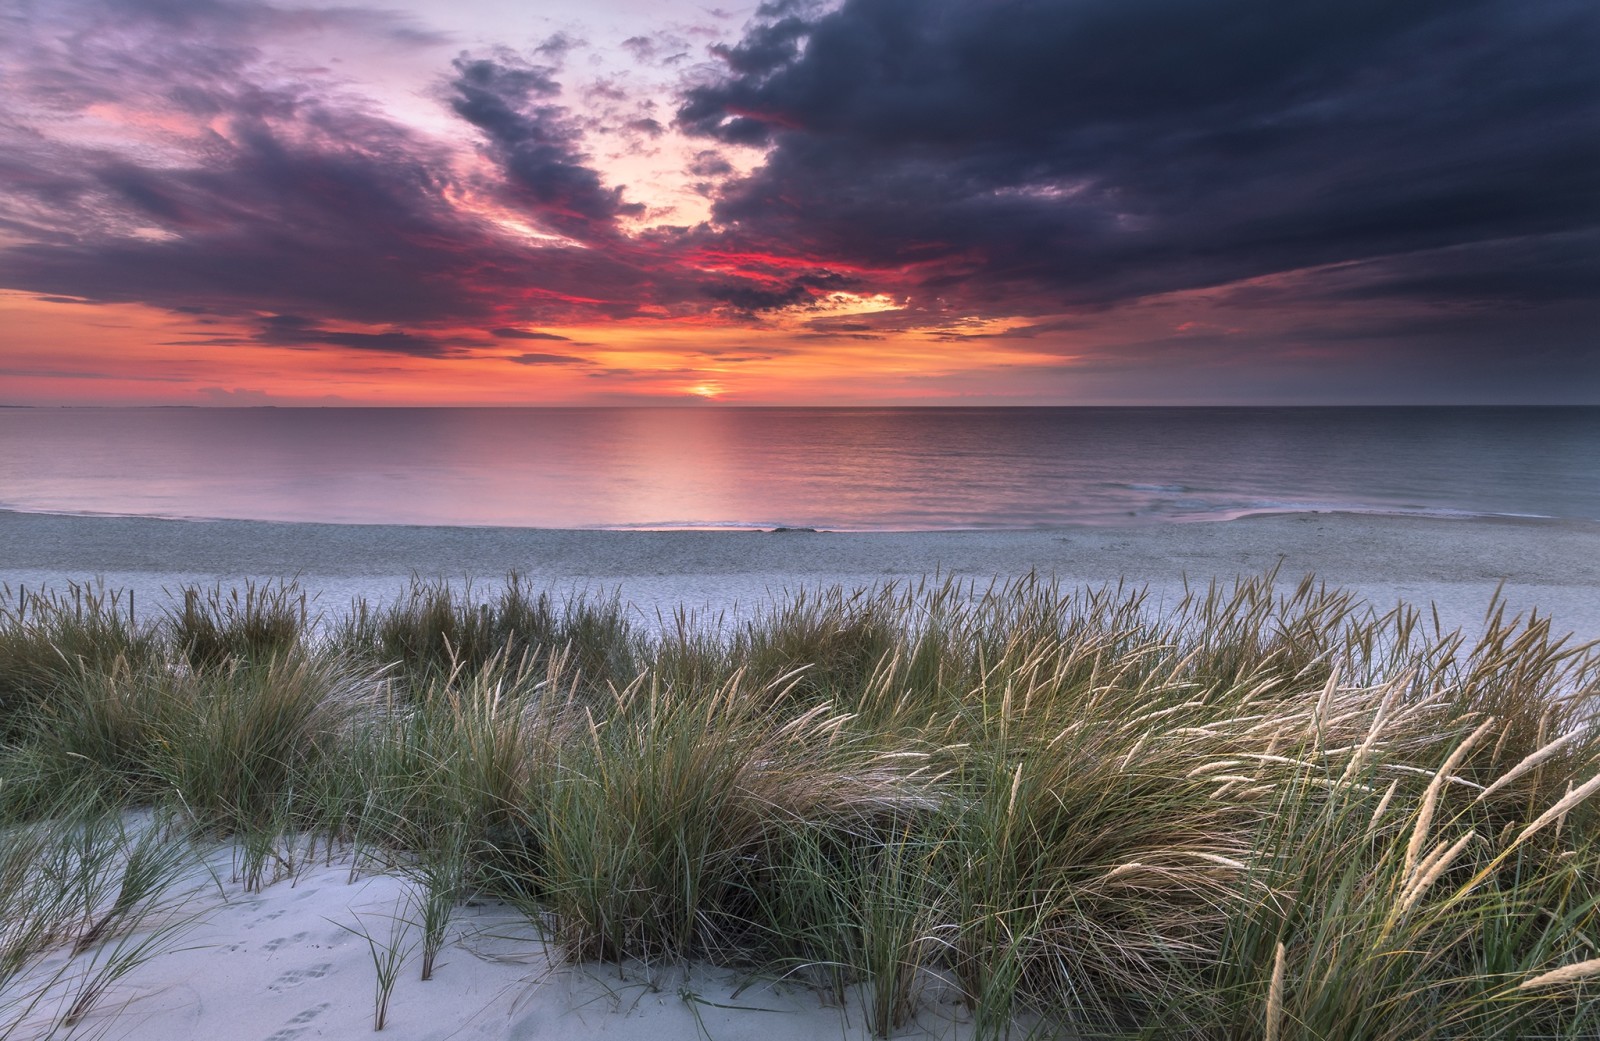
<point>873,202</point>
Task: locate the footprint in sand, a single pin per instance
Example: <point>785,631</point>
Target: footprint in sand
<point>296,1024</point>
<point>268,917</point>
<point>295,977</point>
<point>284,941</point>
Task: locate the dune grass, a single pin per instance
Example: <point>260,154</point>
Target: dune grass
<point>87,893</point>
<point>1259,812</point>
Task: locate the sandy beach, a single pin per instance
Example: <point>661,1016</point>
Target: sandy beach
<point>292,960</point>
<point>1456,564</point>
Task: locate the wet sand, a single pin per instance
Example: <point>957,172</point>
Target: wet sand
<point>1456,564</point>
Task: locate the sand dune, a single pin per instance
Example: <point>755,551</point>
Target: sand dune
<point>288,963</point>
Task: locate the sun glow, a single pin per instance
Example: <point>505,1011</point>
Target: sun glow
<point>840,304</point>
<point>60,351</point>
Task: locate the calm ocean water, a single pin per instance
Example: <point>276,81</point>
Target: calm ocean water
<point>848,469</point>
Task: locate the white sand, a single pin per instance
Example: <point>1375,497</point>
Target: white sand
<point>282,963</point>
<point>1455,563</point>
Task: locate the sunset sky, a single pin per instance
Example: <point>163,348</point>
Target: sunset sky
<point>877,201</point>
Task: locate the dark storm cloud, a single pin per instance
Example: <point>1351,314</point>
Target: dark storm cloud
<point>752,297</point>
<point>1040,154</point>
<point>537,144</point>
<point>709,163</point>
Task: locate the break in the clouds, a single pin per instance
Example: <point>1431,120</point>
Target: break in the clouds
<point>1230,190</point>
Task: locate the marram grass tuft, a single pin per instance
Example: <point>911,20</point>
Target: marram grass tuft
<point>1257,813</point>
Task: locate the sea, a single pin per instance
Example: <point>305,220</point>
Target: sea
<point>843,469</point>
